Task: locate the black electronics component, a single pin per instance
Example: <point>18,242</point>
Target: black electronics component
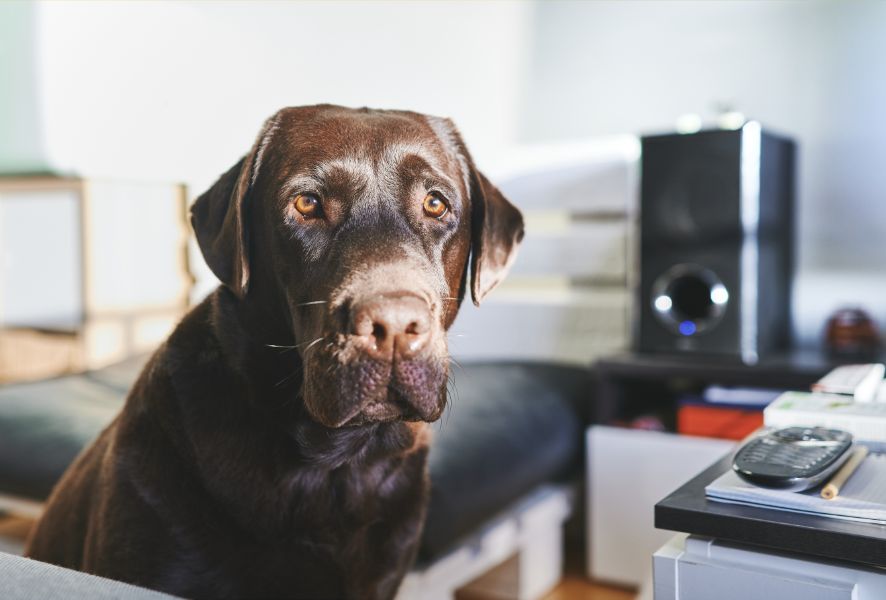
<point>717,237</point>
<point>793,459</point>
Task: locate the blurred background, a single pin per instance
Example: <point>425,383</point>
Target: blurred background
<point>114,116</point>
<point>176,91</point>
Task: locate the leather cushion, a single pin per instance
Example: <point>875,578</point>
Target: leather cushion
<point>45,424</point>
<point>508,428</point>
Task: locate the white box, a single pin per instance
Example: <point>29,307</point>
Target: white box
<point>629,471</point>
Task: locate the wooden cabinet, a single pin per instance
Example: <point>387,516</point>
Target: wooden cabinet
<point>91,271</point>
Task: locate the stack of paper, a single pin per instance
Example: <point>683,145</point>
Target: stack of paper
<point>866,421</point>
<point>862,498</point>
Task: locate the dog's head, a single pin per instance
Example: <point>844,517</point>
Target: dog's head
<point>356,226</point>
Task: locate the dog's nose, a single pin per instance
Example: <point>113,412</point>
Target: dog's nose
<point>392,325</point>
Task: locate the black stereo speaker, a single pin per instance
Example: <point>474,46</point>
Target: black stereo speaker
<point>717,239</point>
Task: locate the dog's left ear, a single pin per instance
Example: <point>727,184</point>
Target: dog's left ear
<point>219,219</point>
<point>496,224</point>
<point>496,232</point>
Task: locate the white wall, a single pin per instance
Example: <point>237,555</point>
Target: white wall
<point>815,70</point>
<point>21,129</point>
<point>178,90</point>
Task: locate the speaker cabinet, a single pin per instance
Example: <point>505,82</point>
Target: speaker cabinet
<point>717,239</point>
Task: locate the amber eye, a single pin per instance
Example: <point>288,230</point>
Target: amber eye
<point>434,206</point>
<point>308,205</point>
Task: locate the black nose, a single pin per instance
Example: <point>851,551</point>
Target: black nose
<point>391,326</point>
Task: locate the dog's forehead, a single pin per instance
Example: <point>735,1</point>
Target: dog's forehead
<point>363,140</point>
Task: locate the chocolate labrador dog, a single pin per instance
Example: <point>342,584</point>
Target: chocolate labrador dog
<point>275,445</point>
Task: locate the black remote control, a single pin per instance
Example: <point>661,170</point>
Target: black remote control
<point>793,459</point>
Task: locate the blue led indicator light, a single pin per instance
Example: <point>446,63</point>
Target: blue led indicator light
<point>687,327</point>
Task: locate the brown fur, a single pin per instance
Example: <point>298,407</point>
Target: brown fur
<point>248,461</point>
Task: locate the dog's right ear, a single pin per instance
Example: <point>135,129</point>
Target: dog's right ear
<point>219,218</point>
<point>496,232</point>
<point>496,224</point>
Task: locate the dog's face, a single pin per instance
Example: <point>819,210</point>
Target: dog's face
<point>358,225</point>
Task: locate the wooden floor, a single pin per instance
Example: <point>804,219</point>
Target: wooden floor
<point>14,530</point>
<point>576,587</point>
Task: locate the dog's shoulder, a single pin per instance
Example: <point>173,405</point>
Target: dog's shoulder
<point>193,355</point>
<point>195,341</point>
<point>180,384</point>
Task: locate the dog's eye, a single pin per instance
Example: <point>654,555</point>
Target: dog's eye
<point>434,206</point>
<point>307,204</point>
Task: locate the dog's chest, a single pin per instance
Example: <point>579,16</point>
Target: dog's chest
<point>354,528</point>
<point>341,503</point>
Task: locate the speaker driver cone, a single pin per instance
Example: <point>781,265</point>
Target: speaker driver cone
<point>689,299</point>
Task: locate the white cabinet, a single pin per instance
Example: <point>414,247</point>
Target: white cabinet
<point>629,471</point>
<point>697,568</point>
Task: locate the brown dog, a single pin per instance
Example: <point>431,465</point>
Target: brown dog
<point>275,445</point>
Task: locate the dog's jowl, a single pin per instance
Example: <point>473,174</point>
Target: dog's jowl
<point>275,445</point>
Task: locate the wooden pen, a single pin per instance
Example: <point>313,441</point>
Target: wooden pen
<point>832,488</point>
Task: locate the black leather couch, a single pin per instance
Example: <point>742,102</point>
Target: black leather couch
<point>510,427</point>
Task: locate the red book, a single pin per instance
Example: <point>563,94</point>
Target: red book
<point>719,422</point>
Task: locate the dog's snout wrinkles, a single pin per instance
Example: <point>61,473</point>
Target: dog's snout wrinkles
<point>392,326</point>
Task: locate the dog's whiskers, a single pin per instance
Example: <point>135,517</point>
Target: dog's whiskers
<point>456,363</point>
<point>292,347</point>
<point>451,397</point>
<point>314,343</point>
<point>312,302</point>
<point>287,378</point>
<point>310,345</point>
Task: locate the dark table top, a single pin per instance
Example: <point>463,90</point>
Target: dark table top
<point>688,510</point>
<point>793,369</point>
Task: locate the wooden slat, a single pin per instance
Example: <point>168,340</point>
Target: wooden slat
<point>570,327</point>
<point>579,189</point>
<point>579,250</point>
<point>28,355</point>
<point>597,176</point>
<point>41,183</point>
<point>566,298</point>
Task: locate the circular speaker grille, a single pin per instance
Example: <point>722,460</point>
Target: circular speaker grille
<point>689,299</point>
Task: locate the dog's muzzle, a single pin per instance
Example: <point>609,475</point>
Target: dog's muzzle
<point>391,364</point>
